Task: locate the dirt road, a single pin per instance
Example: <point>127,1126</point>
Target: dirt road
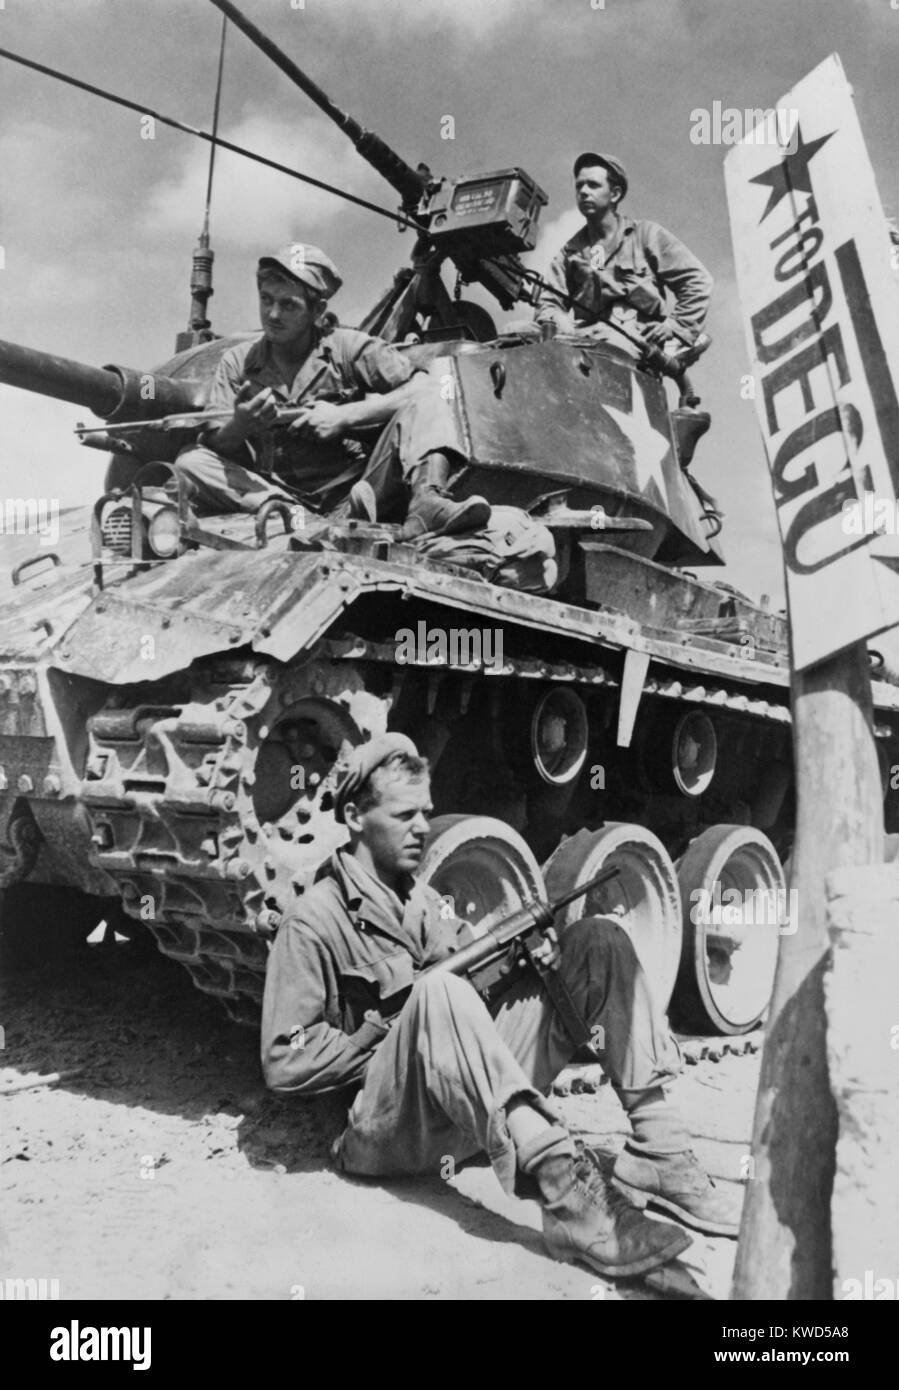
<point>159,1168</point>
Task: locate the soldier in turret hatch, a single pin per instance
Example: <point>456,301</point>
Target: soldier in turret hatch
<point>343,380</point>
<point>621,271</point>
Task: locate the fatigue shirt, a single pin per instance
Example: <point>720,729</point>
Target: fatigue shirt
<point>349,946</point>
<point>343,365</point>
<point>627,283</point>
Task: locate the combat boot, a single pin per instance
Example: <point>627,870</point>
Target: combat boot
<point>432,510</point>
<point>585,1219</point>
<point>677,1184</point>
<point>658,1168</point>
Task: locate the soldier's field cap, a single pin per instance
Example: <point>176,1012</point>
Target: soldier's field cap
<point>607,161</point>
<point>362,762</point>
<point>305,263</point>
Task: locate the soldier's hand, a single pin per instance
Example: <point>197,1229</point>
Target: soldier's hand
<point>321,420</point>
<point>252,413</point>
<point>659,333</point>
<point>548,954</point>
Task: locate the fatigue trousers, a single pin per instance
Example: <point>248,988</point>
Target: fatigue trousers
<point>226,484</point>
<point>439,1085</point>
<point>427,424</point>
<point>424,425</point>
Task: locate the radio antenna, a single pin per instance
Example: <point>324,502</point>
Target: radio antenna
<point>199,327</point>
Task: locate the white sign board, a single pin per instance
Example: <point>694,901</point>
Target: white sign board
<point>821,308</point>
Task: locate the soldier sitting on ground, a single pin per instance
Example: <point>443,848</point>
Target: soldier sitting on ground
<point>343,380</point>
<point>346,1004</point>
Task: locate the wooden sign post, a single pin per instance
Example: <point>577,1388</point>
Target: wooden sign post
<point>816,284</point>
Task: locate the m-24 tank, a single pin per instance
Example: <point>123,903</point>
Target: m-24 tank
<point>172,719</point>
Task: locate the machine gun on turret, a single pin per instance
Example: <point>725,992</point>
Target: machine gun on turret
<point>481,223</point>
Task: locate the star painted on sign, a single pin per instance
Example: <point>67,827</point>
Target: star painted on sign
<point>793,174</point>
<point>649,444</point>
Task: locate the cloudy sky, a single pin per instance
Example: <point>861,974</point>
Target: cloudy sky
<point>97,223</point>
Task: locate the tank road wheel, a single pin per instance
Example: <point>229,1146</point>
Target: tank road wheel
<point>644,899</point>
<point>483,865</point>
<point>730,938</point>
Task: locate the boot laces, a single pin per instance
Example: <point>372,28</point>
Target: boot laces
<point>703,1179</point>
<point>594,1185</point>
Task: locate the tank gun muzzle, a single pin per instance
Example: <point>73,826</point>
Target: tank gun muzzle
<point>112,392</point>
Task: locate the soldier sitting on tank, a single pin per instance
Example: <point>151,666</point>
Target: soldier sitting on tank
<point>343,380</point>
<point>620,270</point>
<point>440,1078</point>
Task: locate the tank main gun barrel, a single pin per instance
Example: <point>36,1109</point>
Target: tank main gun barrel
<point>60,377</point>
<point>114,393</point>
<point>408,182</point>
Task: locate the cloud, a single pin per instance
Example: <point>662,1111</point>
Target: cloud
<point>474,18</point>
<point>38,162</point>
<point>46,266</point>
<point>253,204</point>
<point>552,236</point>
<point>47,173</point>
<point>882,11</point>
<point>30,281</point>
<point>40,457</point>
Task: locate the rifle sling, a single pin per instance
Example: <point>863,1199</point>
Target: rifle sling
<point>565,1006</point>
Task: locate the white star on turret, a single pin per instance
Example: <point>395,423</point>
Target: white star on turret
<point>649,444</point>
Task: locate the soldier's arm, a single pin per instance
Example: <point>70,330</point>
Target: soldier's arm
<point>251,411</point>
<point>550,307</point>
<point>303,1054</point>
<point>377,409</point>
<point>684,276</point>
<point>375,368</point>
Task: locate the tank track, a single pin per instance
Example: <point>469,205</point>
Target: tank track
<point>587,1077</point>
<point>169,790</point>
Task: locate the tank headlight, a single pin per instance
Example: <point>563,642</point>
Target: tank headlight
<point>164,533</point>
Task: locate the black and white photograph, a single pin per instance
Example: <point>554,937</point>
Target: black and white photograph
<point>449,663</point>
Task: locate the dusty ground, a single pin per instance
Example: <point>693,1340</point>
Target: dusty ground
<point>162,1170</point>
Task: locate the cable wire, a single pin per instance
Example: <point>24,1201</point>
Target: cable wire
<point>399,217</point>
<point>215,127</point>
